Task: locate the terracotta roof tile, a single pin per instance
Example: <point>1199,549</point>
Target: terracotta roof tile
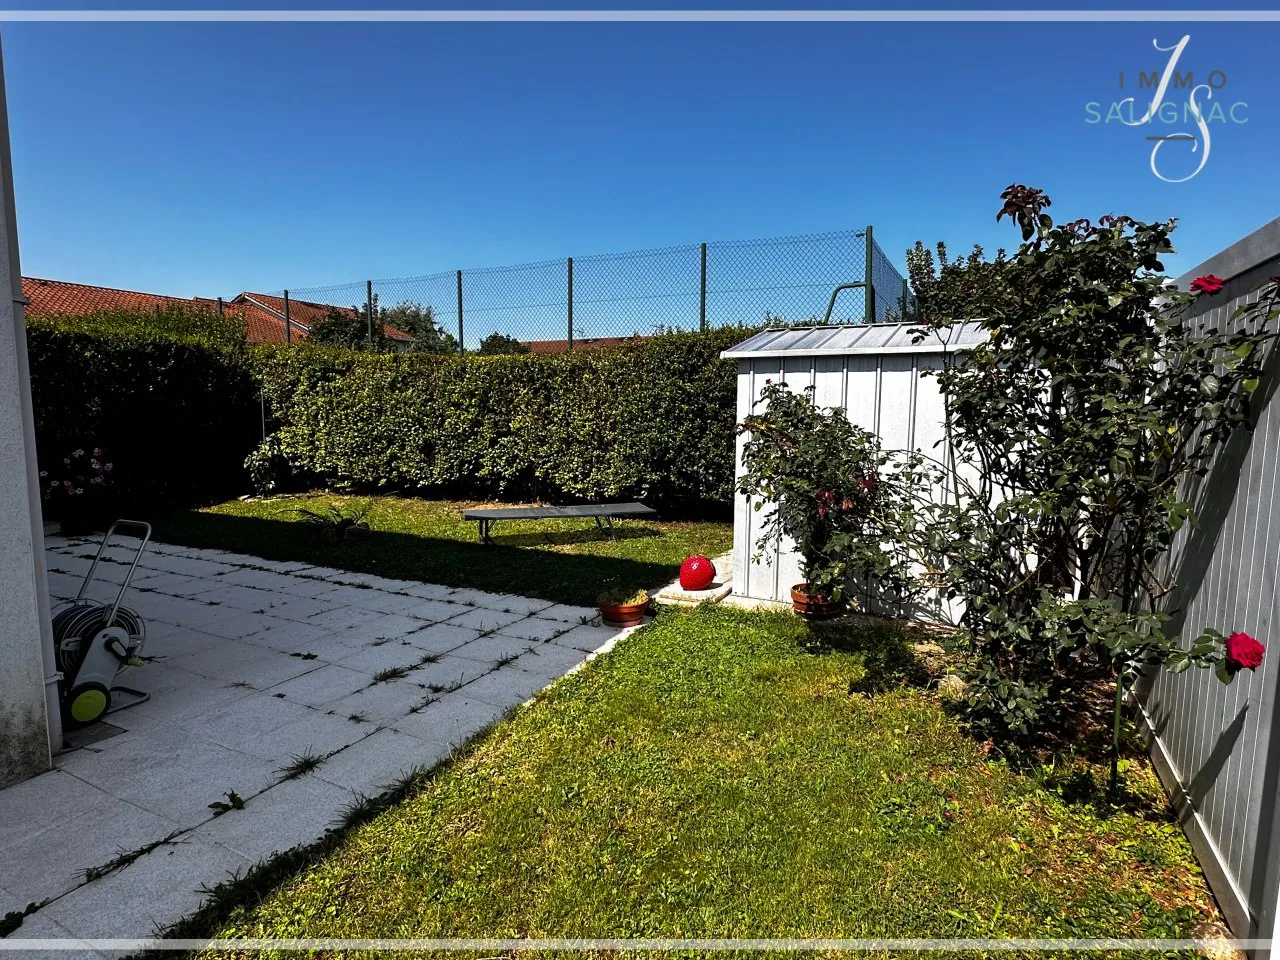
<point>263,313</point>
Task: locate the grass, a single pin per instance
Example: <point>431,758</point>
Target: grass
<point>561,560</point>
<point>741,775</point>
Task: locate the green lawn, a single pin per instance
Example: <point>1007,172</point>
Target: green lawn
<point>561,560</point>
<point>740,775</point>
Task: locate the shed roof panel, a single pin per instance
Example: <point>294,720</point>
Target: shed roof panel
<point>868,338</point>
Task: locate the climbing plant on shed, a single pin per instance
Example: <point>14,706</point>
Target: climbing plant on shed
<point>1091,411</point>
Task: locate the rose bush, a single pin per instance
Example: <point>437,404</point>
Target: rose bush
<point>1098,393</point>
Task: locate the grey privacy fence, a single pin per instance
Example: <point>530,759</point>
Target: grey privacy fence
<point>557,304</point>
<point>1216,746</point>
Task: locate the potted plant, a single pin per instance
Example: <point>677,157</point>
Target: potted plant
<point>835,494</point>
<point>79,493</point>
<point>623,607</point>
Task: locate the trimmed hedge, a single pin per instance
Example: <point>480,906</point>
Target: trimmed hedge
<point>650,420</point>
<point>178,415</point>
<point>175,416</point>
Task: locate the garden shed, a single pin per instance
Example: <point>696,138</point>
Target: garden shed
<point>876,373</point>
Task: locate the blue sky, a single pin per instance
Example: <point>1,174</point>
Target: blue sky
<point>206,159</point>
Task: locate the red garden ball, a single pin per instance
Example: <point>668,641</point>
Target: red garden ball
<point>697,573</point>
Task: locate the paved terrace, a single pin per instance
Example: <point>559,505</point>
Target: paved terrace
<point>258,662</point>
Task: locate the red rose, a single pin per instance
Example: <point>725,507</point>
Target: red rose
<point>868,482</point>
<point>1207,284</point>
<point>846,504</point>
<point>1244,652</point>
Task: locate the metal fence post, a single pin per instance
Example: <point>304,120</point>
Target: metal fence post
<point>702,293</point>
<point>288,327</point>
<point>871,287</point>
<point>905,301</point>
<point>569,342</point>
<point>219,306</point>
<point>368,291</point>
<point>461,349</point>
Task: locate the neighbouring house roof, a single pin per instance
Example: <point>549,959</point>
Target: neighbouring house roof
<point>863,338</point>
<point>49,297</point>
<point>587,343</point>
<point>263,313</point>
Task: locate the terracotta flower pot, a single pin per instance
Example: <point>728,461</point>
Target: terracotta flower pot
<point>624,614</point>
<point>814,606</point>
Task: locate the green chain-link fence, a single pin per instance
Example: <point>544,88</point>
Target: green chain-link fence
<point>556,305</point>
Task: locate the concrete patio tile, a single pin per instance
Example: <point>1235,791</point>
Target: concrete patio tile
<point>177,694</point>
<point>381,703</point>
<point>550,660</point>
<point>247,719</point>
<point>454,719</point>
<point>259,579</point>
<point>428,591</point>
<point>477,598</point>
<point>373,765</point>
<point>275,566</point>
<point>492,648</point>
<point>239,597</point>
<point>321,686</point>
<point>369,660</point>
<point>345,596</point>
<point>569,614</point>
<point>377,626</point>
<point>42,803</point>
<point>482,619</point>
<point>38,926</point>
<point>505,687</point>
<point>171,643</point>
<point>292,813</point>
<point>449,673</point>
<point>234,661</point>
<point>221,621</point>
<point>153,892</point>
<point>53,862</point>
<point>434,611</point>
<point>286,635</point>
<point>190,565</point>
<point>316,736</point>
<point>440,638</point>
<point>518,604</point>
<point>384,602</point>
<point>327,647</point>
<point>157,581</point>
<point>172,772</point>
<point>341,618</point>
<point>303,608</point>
<point>305,586</point>
<point>534,628</point>
<point>587,638</point>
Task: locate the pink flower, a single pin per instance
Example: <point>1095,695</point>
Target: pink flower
<point>1207,284</point>
<point>97,451</point>
<point>1244,652</point>
<point>106,467</point>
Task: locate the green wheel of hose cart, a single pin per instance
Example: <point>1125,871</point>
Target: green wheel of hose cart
<point>87,703</point>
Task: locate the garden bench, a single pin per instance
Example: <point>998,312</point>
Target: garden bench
<point>485,517</point>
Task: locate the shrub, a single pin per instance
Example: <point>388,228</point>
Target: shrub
<point>651,420</point>
<point>178,414</point>
<point>496,344</point>
<point>1100,392</point>
<point>837,495</point>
